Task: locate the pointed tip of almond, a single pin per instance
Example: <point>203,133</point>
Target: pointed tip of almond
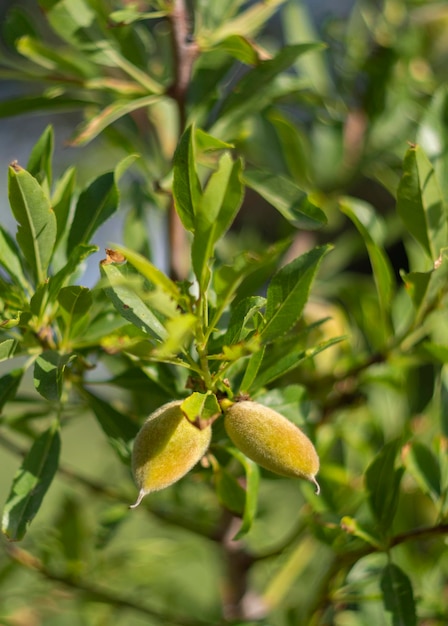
<point>140,497</point>
<point>314,481</point>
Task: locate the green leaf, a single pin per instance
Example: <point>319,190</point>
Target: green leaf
<point>186,185</point>
<point>215,213</point>
<point>230,493</point>
<point>252,473</point>
<point>118,427</point>
<point>200,406</point>
<point>424,466</point>
<point>288,293</point>
<point>246,23</point>
<point>398,596</point>
<point>251,370</point>
<point>31,483</point>
<point>36,233</point>
<point>10,259</point>
<point>129,304</point>
<point>118,109</point>
<point>420,203</point>
<point>432,137</point>
<point>150,272</point>
<point>371,229</point>
<point>31,104</point>
<point>76,301</point>
<point>353,527</point>
<point>9,383</point>
<point>67,17</point>
<point>426,288</point>
<point>240,48</point>
<point>39,163</point>
<point>274,367</point>
<point>95,205</point>
<point>61,200</point>
<point>179,331</point>
<point>289,199</point>
<point>68,272</point>
<point>383,485</point>
<point>7,349</point>
<point>248,93</point>
<point>49,374</point>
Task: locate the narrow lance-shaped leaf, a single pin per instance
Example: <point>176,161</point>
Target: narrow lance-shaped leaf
<point>40,161</point>
<point>289,199</point>
<point>186,185</point>
<point>7,349</point>
<point>272,370</point>
<point>95,205</point>
<point>420,203</point>
<point>424,466</point>
<point>288,293</point>
<point>75,300</point>
<point>368,224</point>
<point>432,137</point>
<point>129,304</point>
<point>149,271</point>
<point>383,485</point>
<point>215,213</point>
<point>398,596</point>
<point>252,473</point>
<point>31,483</point>
<point>62,198</point>
<point>36,233</point>
<point>10,260</point>
<point>9,383</point>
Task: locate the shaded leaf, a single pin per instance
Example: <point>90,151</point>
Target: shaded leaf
<point>371,229</point>
<point>383,484</point>
<point>186,185</point>
<point>420,461</point>
<point>10,259</point>
<point>9,383</point>
<point>31,483</point>
<point>289,199</point>
<point>118,427</point>
<point>252,474</point>
<point>49,374</point>
<point>7,349</point>
<point>288,293</point>
<point>398,596</point>
<point>95,205</point>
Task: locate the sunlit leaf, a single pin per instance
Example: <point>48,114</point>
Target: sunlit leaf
<point>36,233</point>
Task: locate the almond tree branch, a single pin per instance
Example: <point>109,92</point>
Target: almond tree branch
<point>185,51</point>
<point>91,590</point>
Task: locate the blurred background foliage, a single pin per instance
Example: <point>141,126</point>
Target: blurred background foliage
<point>336,123</point>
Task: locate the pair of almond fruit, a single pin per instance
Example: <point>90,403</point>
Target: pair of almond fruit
<point>168,445</point>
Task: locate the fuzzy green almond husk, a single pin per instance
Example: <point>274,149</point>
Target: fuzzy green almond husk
<point>166,448</point>
<point>272,441</point>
